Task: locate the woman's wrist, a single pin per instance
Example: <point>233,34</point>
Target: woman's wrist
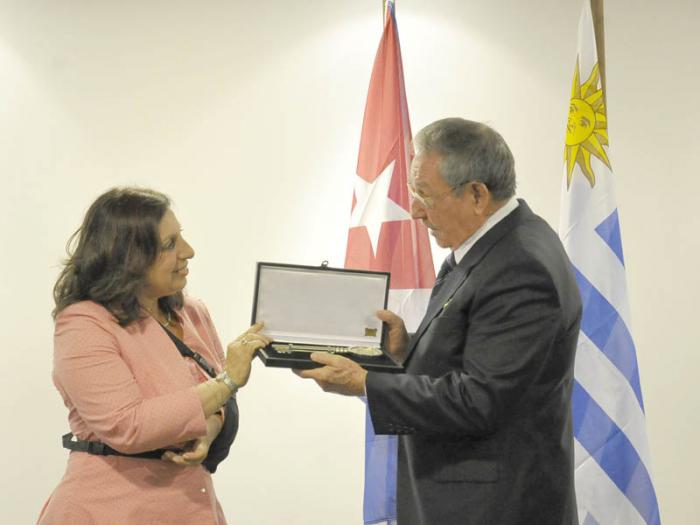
<point>213,395</point>
<point>225,378</point>
<point>214,424</point>
<point>221,394</point>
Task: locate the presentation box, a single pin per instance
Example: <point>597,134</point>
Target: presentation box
<point>321,309</point>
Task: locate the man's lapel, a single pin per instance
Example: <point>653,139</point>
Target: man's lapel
<point>458,277</point>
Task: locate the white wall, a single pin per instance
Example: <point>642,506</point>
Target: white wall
<point>248,115</point>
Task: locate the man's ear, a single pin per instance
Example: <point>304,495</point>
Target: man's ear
<point>480,195</point>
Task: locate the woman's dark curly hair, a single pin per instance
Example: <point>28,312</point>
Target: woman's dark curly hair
<point>114,248</point>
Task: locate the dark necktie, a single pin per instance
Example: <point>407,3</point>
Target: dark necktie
<point>447,266</point>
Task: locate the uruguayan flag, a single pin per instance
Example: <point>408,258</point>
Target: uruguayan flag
<point>613,468</point>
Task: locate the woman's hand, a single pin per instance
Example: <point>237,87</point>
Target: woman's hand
<point>199,448</point>
<point>240,353</point>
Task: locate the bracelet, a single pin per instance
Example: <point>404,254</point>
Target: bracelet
<point>224,378</point>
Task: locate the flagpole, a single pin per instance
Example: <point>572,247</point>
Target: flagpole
<point>384,237</point>
<point>597,9</point>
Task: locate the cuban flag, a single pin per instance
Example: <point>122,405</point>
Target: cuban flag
<point>613,468</point>
<point>383,237</point>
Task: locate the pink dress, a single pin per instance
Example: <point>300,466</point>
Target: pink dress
<point>131,389</point>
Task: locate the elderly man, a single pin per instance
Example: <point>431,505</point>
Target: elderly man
<point>484,406</point>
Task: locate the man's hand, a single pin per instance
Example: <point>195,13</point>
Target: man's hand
<point>339,375</point>
<point>397,337</point>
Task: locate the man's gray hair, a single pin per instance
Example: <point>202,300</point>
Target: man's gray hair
<point>469,151</point>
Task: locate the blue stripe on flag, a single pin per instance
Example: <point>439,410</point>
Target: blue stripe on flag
<point>609,231</point>
<point>603,325</point>
<point>590,520</point>
<point>380,476</point>
<point>613,451</point>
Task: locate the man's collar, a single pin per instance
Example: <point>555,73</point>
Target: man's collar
<point>494,219</point>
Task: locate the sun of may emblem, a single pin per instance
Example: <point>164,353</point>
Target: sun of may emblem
<point>587,128</point>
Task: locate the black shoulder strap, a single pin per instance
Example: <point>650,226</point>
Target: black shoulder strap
<point>186,351</point>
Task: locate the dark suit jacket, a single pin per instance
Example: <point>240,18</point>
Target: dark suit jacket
<point>484,406</point>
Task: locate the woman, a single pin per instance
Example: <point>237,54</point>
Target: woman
<point>133,361</point>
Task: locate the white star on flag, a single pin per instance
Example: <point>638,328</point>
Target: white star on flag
<point>374,207</point>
